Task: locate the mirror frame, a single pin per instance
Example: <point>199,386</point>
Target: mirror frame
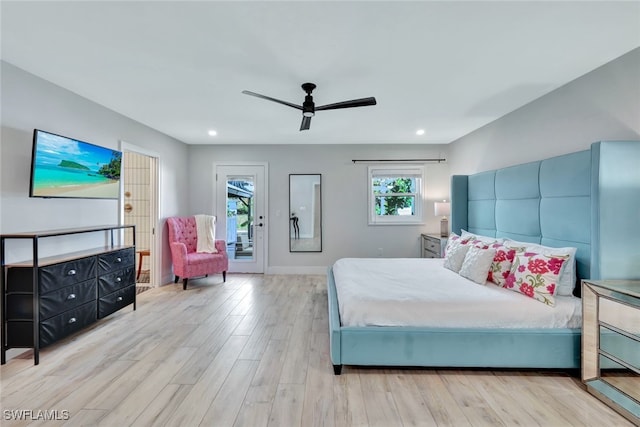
<point>293,224</point>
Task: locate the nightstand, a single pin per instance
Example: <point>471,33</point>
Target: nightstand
<point>611,343</point>
<point>432,246</point>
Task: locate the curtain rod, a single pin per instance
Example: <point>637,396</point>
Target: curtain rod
<point>400,160</point>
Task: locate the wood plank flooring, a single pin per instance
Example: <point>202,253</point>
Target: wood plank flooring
<point>254,352</point>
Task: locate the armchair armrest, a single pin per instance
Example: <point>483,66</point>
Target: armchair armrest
<point>221,246</point>
<point>178,250</point>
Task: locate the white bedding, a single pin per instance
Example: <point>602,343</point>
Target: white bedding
<point>421,292</point>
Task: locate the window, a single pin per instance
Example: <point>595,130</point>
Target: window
<point>395,194</point>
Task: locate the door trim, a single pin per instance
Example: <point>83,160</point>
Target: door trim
<point>155,279</point>
<point>265,165</point>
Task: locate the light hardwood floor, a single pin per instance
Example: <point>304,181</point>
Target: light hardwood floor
<point>255,352</point>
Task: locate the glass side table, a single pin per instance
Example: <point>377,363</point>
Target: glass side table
<point>611,344</point>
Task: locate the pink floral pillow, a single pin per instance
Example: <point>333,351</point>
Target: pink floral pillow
<point>535,275</point>
<point>501,265</point>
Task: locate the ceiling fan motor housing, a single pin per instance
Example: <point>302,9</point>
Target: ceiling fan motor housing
<point>308,87</point>
<point>308,107</point>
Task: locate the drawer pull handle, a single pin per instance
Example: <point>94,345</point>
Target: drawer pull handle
<point>72,320</point>
<point>71,296</point>
<point>118,259</point>
<point>119,299</point>
<point>118,279</point>
<point>71,273</point>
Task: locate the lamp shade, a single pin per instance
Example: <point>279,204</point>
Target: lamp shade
<point>442,208</point>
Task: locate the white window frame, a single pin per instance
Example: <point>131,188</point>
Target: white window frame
<point>399,170</point>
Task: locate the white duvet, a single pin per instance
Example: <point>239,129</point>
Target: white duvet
<point>421,292</point>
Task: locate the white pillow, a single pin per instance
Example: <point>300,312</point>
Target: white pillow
<point>568,275</point>
<point>453,241</point>
<point>454,257</point>
<point>484,239</point>
<point>476,264</point>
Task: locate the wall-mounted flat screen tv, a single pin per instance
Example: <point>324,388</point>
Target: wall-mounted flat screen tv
<point>68,168</point>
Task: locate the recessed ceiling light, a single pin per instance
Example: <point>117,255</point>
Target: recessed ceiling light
<point>212,132</point>
<point>420,132</point>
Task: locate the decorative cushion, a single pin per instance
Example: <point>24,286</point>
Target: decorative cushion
<point>476,263</point>
<point>535,275</point>
<point>466,235</point>
<point>568,275</point>
<point>477,238</point>
<point>481,244</point>
<point>453,241</point>
<point>501,265</point>
<point>455,257</point>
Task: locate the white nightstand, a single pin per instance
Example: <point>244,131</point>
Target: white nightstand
<point>432,246</point>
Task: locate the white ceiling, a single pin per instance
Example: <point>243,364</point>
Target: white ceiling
<point>446,67</point>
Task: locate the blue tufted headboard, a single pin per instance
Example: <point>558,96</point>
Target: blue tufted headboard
<point>557,202</point>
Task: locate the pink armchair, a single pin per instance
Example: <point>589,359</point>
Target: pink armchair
<point>188,263</point>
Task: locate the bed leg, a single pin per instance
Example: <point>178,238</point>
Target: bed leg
<point>337,369</point>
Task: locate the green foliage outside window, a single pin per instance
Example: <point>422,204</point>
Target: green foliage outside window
<point>392,194</point>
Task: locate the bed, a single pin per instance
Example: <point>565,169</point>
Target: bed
<point>555,202</point>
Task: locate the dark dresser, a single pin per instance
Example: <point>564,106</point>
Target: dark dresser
<point>47,299</point>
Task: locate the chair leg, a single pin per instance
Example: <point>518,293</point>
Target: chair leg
<point>184,283</point>
<point>224,276</point>
<point>175,280</point>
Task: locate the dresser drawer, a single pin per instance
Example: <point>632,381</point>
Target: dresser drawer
<point>112,282</point>
<point>431,245</point>
<point>52,277</point>
<point>20,306</point>
<point>64,299</point>
<point>116,300</point>
<point>67,323</point>
<point>115,260</point>
<point>20,332</point>
<point>58,276</point>
<point>429,254</point>
<point>621,347</point>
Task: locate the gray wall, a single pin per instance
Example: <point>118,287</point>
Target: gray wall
<point>345,232</point>
<point>601,105</point>
<point>29,102</point>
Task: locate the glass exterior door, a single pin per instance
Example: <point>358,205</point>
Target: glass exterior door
<point>240,212</point>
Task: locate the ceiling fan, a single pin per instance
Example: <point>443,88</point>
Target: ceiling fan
<point>308,107</point>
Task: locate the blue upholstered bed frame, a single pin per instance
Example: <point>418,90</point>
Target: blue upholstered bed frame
<point>554,202</point>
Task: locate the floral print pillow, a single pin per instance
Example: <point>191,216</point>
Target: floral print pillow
<point>479,241</point>
<point>501,265</point>
<point>482,244</point>
<point>535,275</point>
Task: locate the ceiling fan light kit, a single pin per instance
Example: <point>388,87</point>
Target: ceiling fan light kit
<point>308,107</point>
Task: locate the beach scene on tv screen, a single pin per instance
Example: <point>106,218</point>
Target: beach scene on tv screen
<point>64,167</point>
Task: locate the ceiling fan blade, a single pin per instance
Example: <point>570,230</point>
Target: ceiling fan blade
<point>306,123</point>
<point>268,98</point>
<point>362,102</point>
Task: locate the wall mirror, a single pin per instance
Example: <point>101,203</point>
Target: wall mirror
<point>305,213</point>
